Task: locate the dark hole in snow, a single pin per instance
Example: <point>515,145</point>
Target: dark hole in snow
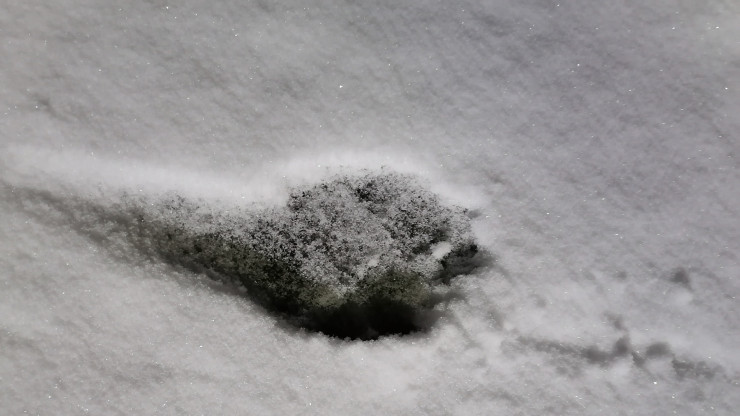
<point>354,257</point>
<point>681,277</point>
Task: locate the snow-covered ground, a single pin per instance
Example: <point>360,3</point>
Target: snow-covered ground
<point>597,143</point>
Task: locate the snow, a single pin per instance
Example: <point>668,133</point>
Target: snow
<point>596,145</point>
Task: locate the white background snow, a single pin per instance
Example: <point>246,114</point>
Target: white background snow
<point>597,141</point>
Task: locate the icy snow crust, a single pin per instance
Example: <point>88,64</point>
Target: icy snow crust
<point>595,145</point>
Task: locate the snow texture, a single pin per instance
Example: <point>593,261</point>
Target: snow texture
<point>594,146</point>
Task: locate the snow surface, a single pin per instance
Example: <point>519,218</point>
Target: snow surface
<point>597,142</point>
